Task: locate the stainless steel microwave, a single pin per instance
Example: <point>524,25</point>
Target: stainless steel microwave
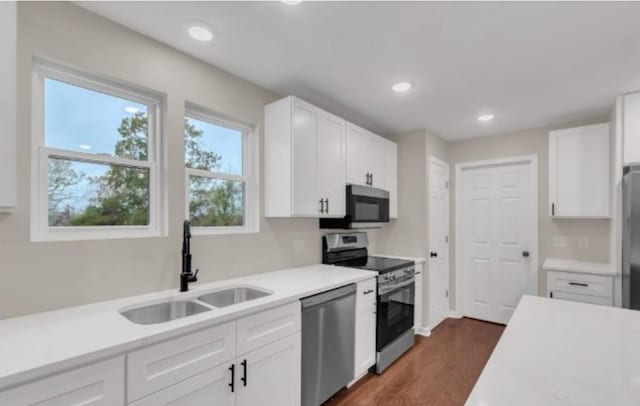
<point>366,207</point>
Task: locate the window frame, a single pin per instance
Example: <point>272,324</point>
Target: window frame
<point>40,228</point>
<point>249,175</point>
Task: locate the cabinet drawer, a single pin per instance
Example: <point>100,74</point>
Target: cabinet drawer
<point>207,388</point>
<point>162,365</point>
<point>574,297</point>
<point>594,285</point>
<point>266,327</point>
<point>366,293</point>
<point>100,384</point>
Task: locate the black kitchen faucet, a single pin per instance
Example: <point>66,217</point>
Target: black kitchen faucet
<point>186,276</point>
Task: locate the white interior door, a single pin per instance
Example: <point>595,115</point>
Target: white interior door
<point>438,241</point>
<point>498,235</point>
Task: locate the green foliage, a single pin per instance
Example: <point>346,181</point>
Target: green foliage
<point>122,196</point>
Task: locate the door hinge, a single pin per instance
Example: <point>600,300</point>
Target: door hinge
<point>446,239</point>
<point>446,185</point>
<point>446,293</point>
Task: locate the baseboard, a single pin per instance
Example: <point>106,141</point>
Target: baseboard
<point>454,314</point>
<point>423,331</point>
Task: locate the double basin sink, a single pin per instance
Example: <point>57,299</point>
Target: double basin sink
<point>176,309</point>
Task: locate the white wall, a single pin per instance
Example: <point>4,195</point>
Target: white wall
<point>44,276</point>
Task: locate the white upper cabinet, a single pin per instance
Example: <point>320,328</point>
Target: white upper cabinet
<point>304,161</point>
<point>391,176</point>
<point>8,37</point>
<point>631,128</point>
<point>365,157</point>
<point>579,172</point>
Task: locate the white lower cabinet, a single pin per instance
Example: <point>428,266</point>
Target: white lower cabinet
<point>100,384</point>
<point>270,375</point>
<point>417,315</point>
<point>365,337</point>
<point>207,388</point>
<point>577,287</point>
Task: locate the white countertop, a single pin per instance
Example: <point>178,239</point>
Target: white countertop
<point>42,343</point>
<point>569,265</point>
<point>556,352</point>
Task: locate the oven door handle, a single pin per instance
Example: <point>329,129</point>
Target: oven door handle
<point>383,292</point>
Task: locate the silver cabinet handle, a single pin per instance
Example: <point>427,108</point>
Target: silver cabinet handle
<point>366,292</point>
<point>584,285</point>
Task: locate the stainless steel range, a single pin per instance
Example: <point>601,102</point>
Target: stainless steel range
<point>395,296</point>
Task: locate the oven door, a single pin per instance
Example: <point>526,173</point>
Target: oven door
<point>394,314</point>
<point>367,205</point>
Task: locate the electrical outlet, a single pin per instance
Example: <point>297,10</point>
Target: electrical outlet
<point>583,241</point>
<point>560,241</point>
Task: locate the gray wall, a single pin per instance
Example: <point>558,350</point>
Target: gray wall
<point>524,143</point>
<point>43,276</point>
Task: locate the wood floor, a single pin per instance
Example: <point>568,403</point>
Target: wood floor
<point>439,370</point>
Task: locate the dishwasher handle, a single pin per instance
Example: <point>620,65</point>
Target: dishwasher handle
<point>329,296</point>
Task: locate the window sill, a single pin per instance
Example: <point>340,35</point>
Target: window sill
<point>92,234</point>
<point>222,230</point>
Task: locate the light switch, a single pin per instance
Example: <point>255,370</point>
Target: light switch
<point>560,241</point>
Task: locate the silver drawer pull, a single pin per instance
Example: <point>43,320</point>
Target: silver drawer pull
<point>366,292</point>
<point>584,285</point>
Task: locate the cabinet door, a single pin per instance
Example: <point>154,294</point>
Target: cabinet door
<point>365,351</point>
<point>271,375</point>
<point>305,165</point>
<point>208,388</point>
<point>391,176</point>
<point>332,164</point>
<point>358,153</point>
<point>376,161</point>
<point>268,326</point>
<point>605,301</point>
<point>579,171</point>
<point>8,26</point>
<point>100,384</point>
<point>417,324</point>
<point>631,128</point>
<point>161,365</point>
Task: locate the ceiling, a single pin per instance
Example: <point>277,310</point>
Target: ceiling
<point>530,64</point>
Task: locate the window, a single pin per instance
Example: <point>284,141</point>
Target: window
<point>220,180</point>
<point>95,154</point>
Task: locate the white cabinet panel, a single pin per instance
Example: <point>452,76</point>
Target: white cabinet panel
<point>579,172</point>
<point>265,327</point>
<point>605,301</point>
<point>631,128</point>
<point>376,161</point>
<point>100,384</point>
<point>305,164</point>
<point>391,176</point>
<point>304,161</point>
<point>271,375</point>
<point>8,27</point>
<point>365,332</point>
<point>162,365</point>
<point>332,164</point>
<point>358,147</point>
<point>208,388</point>
<point>417,322</point>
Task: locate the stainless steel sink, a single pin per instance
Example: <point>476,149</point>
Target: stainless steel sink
<point>163,312</point>
<point>232,296</point>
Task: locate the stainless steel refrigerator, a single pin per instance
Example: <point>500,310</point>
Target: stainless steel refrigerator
<point>631,238</point>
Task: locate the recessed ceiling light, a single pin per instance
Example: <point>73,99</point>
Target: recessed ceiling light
<point>85,147</point>
<point>200,32</point>
<point>402,87</point>
<point>292,2</point>
<point>486,117</point>
<point>131,109</point>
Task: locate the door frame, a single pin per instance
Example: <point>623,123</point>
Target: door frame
<point>435,160</point>
<point>532,160</point>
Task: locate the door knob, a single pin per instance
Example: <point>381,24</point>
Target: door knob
<point>525,254</point>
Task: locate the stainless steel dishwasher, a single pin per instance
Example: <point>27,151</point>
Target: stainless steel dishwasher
<point>328,341</point>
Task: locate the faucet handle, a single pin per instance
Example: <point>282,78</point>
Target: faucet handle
<point>194,277</point>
